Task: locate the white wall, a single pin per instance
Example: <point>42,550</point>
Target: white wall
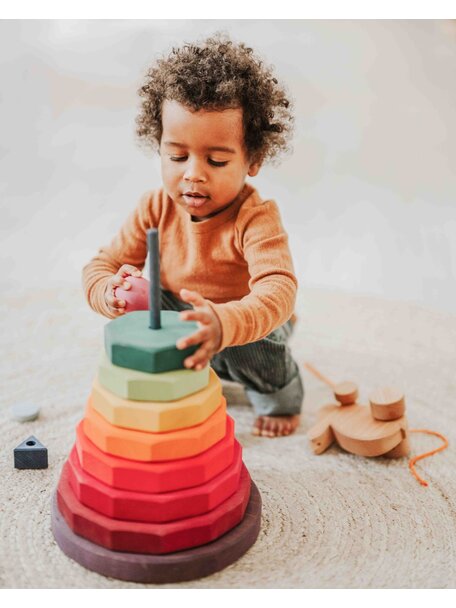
<point>368,196</point>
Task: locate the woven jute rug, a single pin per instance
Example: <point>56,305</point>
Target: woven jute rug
<point>333,520</point>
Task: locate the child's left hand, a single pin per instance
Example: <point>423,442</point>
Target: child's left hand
<point>209,334</point>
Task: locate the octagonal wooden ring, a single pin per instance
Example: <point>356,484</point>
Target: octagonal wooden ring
<point>143,506</point>
<point>149,447</point>
<point>129,342</point>
<point>155,476</point>
<point>158,416</point>
<point>143,386</point>
<point>156,538</point>
<point>177,567</point>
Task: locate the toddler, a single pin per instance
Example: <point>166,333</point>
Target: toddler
<point>215,114</point>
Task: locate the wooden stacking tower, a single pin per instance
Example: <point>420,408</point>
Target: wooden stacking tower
<point>154,489</point>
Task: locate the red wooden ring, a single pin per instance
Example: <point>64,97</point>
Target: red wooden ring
<point>142,506</point>
<point>139,537</point>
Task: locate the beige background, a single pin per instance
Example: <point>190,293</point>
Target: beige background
<point>368,196</point>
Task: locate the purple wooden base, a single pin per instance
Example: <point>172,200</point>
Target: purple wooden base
<point>171,568</point>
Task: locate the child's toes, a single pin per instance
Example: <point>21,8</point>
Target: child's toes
<point>280,429</point>
<point>272,426</point>
<point>277,429</point>
<point>269,428</point>
<point>286,429</point>
<point>258,426</point>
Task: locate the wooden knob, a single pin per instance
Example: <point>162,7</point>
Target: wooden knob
<point>346,393</point>
<point>387,403</point>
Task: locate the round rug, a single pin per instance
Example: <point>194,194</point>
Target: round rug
<point>329,521</point>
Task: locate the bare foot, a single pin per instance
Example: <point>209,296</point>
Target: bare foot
<point>275,426</point>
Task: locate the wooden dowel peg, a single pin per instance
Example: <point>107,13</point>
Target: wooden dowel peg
<point>154,273</point>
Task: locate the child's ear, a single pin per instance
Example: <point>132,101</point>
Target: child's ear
<point>254,168</point>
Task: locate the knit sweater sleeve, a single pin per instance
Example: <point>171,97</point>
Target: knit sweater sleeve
<point>264,244</point>
<point>129,246</point>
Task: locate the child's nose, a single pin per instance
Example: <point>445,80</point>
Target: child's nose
<point>194,172</point>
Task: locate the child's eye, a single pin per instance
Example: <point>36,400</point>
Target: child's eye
<point>218,163</point>
<point>215,163</point>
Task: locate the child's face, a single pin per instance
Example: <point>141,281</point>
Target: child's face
<point>192,161</point>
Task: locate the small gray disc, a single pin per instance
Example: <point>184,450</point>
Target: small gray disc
<point>25,412</point>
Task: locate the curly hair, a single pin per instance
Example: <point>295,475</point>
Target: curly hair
<point>218,74</point>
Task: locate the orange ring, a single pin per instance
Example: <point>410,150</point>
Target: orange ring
<point>149,447</point>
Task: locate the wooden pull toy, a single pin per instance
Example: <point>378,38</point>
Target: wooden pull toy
<point>357,429</point>
<point>379,429</point>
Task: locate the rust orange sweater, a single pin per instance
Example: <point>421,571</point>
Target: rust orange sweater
<point>239,260</point>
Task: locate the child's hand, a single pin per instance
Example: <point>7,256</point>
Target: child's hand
<point>209,334</point>
<point>116,306</point>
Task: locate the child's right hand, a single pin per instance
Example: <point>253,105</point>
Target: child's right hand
<point>116,306</point>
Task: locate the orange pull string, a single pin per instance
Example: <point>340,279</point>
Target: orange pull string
<point>318,374</point>
<point>415,459</point>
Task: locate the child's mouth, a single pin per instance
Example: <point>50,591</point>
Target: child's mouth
<point>193,200</point>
